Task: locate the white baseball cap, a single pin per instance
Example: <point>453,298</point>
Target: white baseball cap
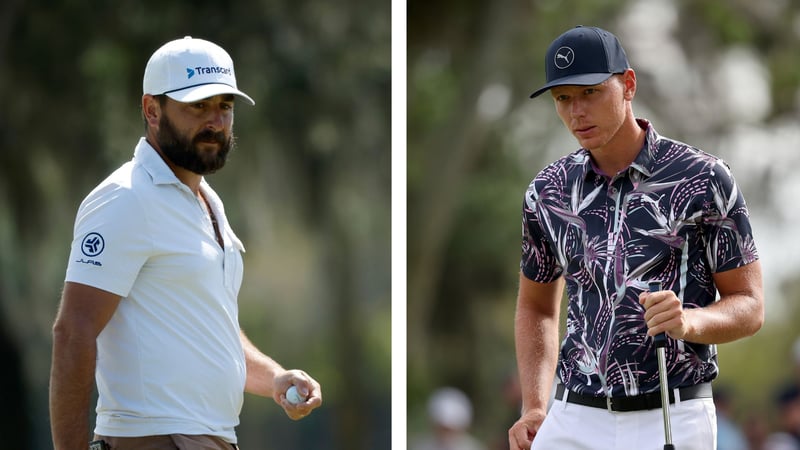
<point>451,408</point>
<point>188,70</point>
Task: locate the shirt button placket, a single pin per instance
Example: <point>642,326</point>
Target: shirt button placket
<point>612,194</point>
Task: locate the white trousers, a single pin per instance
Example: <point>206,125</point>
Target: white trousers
<point>576,427</point>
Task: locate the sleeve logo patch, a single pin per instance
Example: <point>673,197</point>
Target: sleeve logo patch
<point>93,244</point>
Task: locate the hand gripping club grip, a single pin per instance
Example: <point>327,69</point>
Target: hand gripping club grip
<point>661,338</point>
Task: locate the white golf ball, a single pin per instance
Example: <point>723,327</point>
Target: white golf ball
<point>293,395</point>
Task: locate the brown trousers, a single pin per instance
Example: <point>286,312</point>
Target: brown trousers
<point>167,442</point>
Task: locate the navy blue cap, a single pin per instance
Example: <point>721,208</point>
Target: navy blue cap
<point>583,56</point>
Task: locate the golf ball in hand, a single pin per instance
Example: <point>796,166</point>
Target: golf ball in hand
<point>294,396</point>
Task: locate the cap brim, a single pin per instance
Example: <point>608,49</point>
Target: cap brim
<point>584,79</point>
<point>196,93</point>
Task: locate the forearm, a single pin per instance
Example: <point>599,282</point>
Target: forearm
<point>737,314</point>
<point>536,337</point>
<point>71,384</point>
<point>261,370</point>
<point>731,318</point>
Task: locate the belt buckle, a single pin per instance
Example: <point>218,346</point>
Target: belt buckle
<point>608,405</point>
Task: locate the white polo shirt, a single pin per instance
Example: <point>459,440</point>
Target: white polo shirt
<point>170,359</point>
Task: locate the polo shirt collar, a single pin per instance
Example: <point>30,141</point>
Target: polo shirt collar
<point>644,163</point>
<point>152,162</point>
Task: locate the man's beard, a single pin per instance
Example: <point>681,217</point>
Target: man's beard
<point>185,153</point>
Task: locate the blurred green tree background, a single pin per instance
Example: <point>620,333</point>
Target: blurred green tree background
<point>723,76</point>
<point>307,189</point>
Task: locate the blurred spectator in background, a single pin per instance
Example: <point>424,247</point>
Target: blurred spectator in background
<point>450,415</point>
<point>729,436</point>
<point>756,430</point>
<point>788,435</point>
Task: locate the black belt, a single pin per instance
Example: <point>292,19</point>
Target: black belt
<point>635,403</point>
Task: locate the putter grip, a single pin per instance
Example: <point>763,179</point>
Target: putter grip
<point>661,338</point>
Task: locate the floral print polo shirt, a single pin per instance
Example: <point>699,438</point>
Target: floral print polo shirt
<point>675,215</point>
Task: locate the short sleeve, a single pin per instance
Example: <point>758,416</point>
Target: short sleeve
<point>539,262</point>
<point>730,242</point>
<point>110,241</point>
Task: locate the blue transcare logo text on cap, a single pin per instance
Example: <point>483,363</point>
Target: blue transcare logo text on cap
<point>564,57</point>
<point>93,244</point>
<point>208,70</point>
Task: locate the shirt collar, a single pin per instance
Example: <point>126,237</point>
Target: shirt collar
<point>645,161</point>
<point>158,169</point>
<point>150,159</point>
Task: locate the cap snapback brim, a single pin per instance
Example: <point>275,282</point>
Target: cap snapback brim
<point>196,93</point>
<point>584,79</point>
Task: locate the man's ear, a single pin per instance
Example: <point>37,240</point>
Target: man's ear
<point>151,110</point>
<point>629,84</point>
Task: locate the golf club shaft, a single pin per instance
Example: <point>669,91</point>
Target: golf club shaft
<point>662,378</point>
<point>661,342</point>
